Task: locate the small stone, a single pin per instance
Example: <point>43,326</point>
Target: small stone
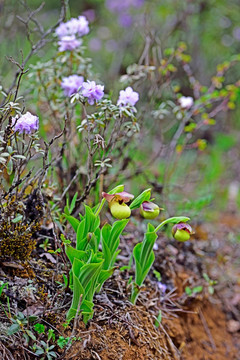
<point>233,326</point>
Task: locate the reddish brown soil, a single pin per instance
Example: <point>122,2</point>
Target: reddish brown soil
<point>201,335</point>
<point>195,327</point>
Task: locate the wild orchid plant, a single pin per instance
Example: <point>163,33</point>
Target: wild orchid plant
<point>93,264</point>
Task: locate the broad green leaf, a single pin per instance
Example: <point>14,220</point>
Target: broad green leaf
<point>77,267</point>
<point>138,273</point>
<point>117,229</point>
<point>94,283</point>
<point>93,242</point>
<point>87,272</point>
<point>107,255</point>
<point>13,329</point>
<point>114,257</point>
<point>147,267</point>
<point>87,311</point>
<point>83,244</point>
<point>104,275</point>
<point>105,232</point>
<point>74,222</point>
<point>80,235</point>
<point>78,291</point>
<point>31,335</point>
<point>138,268</point>
<point>97,233</point>
<point>147,246</point>
<point>89,220</point>
<point>74,253</point>
<point>144,196</point>
<point>96,224</point>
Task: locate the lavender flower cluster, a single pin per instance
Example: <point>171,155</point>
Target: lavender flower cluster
<point>69,31</point>
<point>26,123</point>
<point>128,97</point>
<point>71,84</point>
<point>122,8</point>
<point>74,83</point>
<point>93,92</point>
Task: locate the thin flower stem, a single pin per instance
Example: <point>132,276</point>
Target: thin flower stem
<point>100,207</point>
<point>174,220</point>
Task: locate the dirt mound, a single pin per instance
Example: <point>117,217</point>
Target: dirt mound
<point>130,334</point>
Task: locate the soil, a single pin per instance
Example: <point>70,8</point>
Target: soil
<point>201,325</point>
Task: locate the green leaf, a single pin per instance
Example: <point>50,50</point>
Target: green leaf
<point>88,272</point>
<point>10,167</point>
<point>116,231</point>
<point>105,232</point>
<point>74,253</point>
<point>73,202</point>
<point>74,222</point>
<point>158,319</point>
<point>188,290</point>
<point>31,335</point>
<point>17,218</point>
<point>197,289</point>
<point>144,196</point>
<point>13,329</point>
<point>2,287</point>
<point>89,220</point>
<point>80,245</point>
<point>78,292</point>
<point>39,352</point>
<point>104,275</point>
<point>107,255</point>
<point>147,267</point>
<point>117,189</point>
<point>147,246</point>
<point>77,266</point>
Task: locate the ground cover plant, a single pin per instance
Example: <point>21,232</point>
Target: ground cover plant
<point>119,181</point>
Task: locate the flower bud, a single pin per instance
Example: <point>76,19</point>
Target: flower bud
<point>182,232</point>
<point>119,211</point>
<point>149,210</point>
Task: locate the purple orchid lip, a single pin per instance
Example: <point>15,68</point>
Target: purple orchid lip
<point>149,206</point>
<point>183,226</point>
<point>122,196</point>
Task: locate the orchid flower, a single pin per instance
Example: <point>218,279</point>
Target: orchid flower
<point>117,204</point>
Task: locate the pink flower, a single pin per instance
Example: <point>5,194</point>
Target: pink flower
<point>186,102</point>
<point>71,84</point>
<point>92,91</point>
<point>26,123</point>
<point>128,97</point>
<point>69,43</point>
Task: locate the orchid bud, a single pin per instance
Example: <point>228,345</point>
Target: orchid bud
<point>149,210</point>
<point>119,211</point>
<point>182,231</point>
